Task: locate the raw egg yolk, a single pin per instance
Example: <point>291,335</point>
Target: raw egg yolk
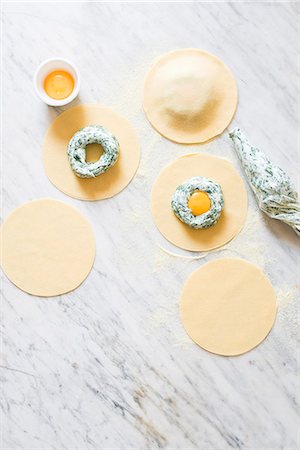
<point>199,203</point>
<point>59,84</point>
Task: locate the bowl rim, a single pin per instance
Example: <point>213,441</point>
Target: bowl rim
<point>43,96</point>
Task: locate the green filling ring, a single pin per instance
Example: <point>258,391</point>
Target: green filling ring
<point>181,198</point>
<point>92,134</point>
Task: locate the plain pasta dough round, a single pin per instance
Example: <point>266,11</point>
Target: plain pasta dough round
<point>232,217</point>
<point>56,161</point>
<point>48,247</point>
<point>228,306</point>
<point>190,96</point>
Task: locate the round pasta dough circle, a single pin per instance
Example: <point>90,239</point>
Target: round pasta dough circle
<point>228,306</point>
<point>190,96</point>
<point>48,247</point>
<point>234,212</point>
<point>56,161</point>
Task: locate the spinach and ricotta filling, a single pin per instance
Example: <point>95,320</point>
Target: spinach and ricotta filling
<point>92,134</point>
<point>182,195</point>
<point>274,190</point>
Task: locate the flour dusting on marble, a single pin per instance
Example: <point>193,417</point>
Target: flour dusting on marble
<point>249,243</point>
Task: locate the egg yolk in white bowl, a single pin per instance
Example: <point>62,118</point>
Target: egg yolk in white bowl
<point>59,84</point>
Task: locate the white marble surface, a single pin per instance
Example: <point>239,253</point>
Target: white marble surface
<point>109,365</point>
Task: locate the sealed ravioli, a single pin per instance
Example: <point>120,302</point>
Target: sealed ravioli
<point>190,96</point>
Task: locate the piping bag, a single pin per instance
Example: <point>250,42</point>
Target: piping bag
<point>273,188</point>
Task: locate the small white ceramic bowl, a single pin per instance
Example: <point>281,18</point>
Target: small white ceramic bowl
<point>49,66</point>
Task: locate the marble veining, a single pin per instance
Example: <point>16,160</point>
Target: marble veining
<point>109,365</point>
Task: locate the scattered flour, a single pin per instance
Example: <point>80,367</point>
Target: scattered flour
<point>286,295</point>
<point>288,312</point>
<point>167,317</point>
<point>249,244</point>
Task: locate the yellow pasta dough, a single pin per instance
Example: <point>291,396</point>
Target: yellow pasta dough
<point>56,161</point>
<point>48,247</point>
<point>232,217</point>
<point>190,96</point>
<point>228,306</point>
